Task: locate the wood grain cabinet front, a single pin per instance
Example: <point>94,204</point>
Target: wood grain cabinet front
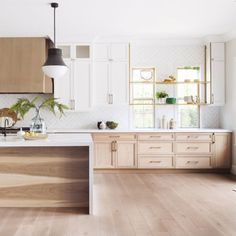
<point>153,162</point>
<point>193,162</point>
<point>114,151</point>
<point>155,148</point>
<point>21,61</point>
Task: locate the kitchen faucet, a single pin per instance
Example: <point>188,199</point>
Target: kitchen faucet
<point>4,131</point>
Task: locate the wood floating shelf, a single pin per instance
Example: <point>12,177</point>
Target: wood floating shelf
<point>176,104</point>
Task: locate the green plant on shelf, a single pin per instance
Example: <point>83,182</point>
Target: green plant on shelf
<point>161,94</point>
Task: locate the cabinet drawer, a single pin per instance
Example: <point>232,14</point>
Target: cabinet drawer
<point>114,136</point>
<point>156,137</point>
<point>193,162</point>
<point>155,162</point>
<point>193,147</point>
<point>155,148</point>
<point>194,137</point>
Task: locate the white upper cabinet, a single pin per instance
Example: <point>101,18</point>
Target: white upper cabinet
<point>82,85</point>
<point>111,51</point>
<point>74,89</point>
<point>119,52</point>
<point>62,86</point>
<point>101,71</point>
<point>111,73</point>
<point>218,51</point>
<point>216,72</point>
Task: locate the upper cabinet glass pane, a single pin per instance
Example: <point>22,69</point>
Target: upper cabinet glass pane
<point>65,51</point>
<point>82,51</point>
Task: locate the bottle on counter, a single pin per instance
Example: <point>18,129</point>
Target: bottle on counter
<point>164,123</point>
<point>172,124</point>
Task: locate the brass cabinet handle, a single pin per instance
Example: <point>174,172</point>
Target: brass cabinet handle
<point>213,138</point>
<point>154,161</point>
<point>154,147</point>
<point>154,136</point>
<point>115,145</point>
<point>114,136</point>
<point>192,162</point>
<point>191,136</point>
<point>195,148</point>
<point>113,149</point>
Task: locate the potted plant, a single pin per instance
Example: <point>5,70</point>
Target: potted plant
<point>24,105</point>
<point>161,97</point>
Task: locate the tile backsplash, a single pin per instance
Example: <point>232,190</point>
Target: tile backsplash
<point>209,115</point>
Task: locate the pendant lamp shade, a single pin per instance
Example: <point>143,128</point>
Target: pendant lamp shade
<point>54,66</point>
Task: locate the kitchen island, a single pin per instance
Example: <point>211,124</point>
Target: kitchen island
<point>55,172</point>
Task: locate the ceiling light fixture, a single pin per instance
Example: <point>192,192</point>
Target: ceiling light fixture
<point>54,67</point>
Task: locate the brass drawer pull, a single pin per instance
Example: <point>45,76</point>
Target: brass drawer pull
<point>192,162</point>
<point>114,136</point>
<point>154,161</point>
<point>194,148</point>
<point>153,136</point>
<point>193,136</point>
<point>155,147</point>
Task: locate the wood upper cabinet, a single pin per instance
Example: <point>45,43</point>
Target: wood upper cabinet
<point>222,155</point>
<point>21,61</point>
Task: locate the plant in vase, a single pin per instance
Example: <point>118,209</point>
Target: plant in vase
<point>161,97</point>
<point>24,105</point>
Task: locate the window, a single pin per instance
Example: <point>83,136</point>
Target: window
<point>187,89</point>
<point>188,92</point>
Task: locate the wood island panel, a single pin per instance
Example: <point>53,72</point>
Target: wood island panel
<point>44,177</point>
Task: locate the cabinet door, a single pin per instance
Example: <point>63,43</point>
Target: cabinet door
<point>119,82</point>
<point>101,52</point>
<point>103,155</point>
<point>218,82</point>
<point>125,155</point>
<point>223,150</point>
<point>62,86</point>
<point>119,51</point>
<point>218,51</point>
<point>101,83</point>
<point>82,83</point>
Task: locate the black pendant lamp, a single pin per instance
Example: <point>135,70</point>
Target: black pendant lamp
<point>54,67</point>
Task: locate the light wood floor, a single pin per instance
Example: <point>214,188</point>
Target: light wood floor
<point>138,204</point>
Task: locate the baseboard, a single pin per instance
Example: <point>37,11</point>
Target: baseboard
<point>233,170</point>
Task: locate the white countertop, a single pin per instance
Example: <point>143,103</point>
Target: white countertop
<point>138,130</point>
<point>53,140</point>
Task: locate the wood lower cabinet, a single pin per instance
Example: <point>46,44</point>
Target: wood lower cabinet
<point>163,150</point>
<point>114,151</point>
<point>222,152</point>
<point>103,154</point>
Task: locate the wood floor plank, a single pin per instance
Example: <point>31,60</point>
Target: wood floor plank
<point>137,205</point>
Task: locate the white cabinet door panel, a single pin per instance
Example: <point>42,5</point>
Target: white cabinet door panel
<point>218,82</point>
<point>119,82</point>
<point>101,83</point>
<point>101,51</point>
<point>218,51</point>
<point>119,51</point>
<point>62,86</point>
<point>82,83</point>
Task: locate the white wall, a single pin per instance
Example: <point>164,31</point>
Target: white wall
<point>228,112</point>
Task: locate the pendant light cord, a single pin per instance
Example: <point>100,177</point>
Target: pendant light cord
<point>54,27</point>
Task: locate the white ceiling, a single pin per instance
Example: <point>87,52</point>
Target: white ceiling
<point>92,19</point>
